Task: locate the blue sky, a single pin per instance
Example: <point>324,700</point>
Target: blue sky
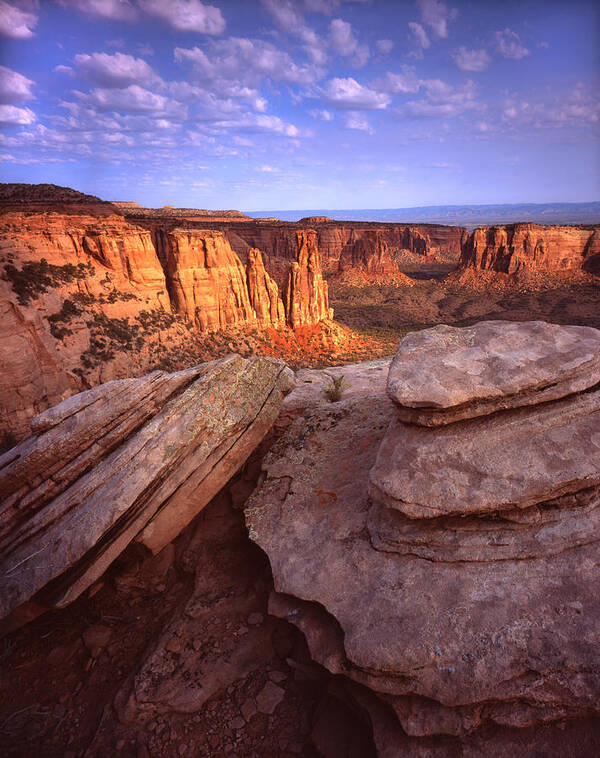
<point>281,104</point>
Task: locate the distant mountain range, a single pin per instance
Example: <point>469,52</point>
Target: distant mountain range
<point>457,215</point>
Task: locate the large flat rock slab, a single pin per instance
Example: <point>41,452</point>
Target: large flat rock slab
<point>446,374</point>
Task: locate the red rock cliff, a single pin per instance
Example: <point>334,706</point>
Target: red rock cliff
<point>86,299</point>
<point>517,247</point>
<point>206,280</point>
<point>368,252</point>
<point>277,240</point>
<point>306,296</point>
<point>263,291</point>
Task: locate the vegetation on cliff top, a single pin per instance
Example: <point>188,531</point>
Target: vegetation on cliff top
<point>35,277</point>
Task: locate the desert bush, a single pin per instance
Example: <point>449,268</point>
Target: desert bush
<point>34,277</point>
<point>335,388</point>
<point>109,336</point>
<point>156,319</point>
<point>64,315</point>
<point>84,298</point>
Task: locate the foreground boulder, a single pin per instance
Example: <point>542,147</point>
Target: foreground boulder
<point>132,459</point>
<point>450,572</point>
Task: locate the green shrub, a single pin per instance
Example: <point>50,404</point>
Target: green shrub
<point>34,277</point>
<point>66,313</point>
<point>156,319</point>
<point>335,388</point>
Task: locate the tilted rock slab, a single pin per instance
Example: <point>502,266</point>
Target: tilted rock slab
<point>472,618</point>
<point>130,459</point>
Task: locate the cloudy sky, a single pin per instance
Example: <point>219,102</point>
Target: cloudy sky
<point>285,104</point>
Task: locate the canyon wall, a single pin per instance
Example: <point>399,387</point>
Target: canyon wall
<point>367,259</point>
<point>518,247</point>
<point>88,298</point>
<point>277,239</point>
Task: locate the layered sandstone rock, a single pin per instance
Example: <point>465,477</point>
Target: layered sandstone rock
<point>31,376</point>
<point>366,258</point>
<point>263,292</point>
<point>517,247</point>
<point>306,295</point>
<point>449,573</point>
<point>446,374</point>
<point>207,281</point>
<point>133,459</point>
<point>72,288</point>
<point>277,240</point>
<point>89,298</point>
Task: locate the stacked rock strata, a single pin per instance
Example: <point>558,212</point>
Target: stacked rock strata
<point>132,459</point>
<point>439,545</point>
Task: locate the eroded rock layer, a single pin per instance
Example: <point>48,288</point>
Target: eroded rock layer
<point>306,295</point>
<point>277,239</point>
<point>367,258</point>
<point>516,247</point>
<point>88,298</point>
<point>133,459</point>
<point>461,603</point>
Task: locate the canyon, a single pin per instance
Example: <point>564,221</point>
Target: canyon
<point>317,488</point>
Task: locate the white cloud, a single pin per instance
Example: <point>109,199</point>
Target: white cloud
<point>257,123</point>
<point>15,22</point>
<point>115,10</point>
<point>14,87</point>
<point>8,158</point>
<point>442,100</point>
<point>186,15</point>
<point>349,94</point>
<point>471,60</point>
<point>10,114</point>
<point>246,62</point>
<point>405,83</point>
<point>578,110</point>
<point>436,15</point>
<point>384,46</point>
<point>344,42</point>
<point>133,99</point>
<point>358,122</point>
<point>117,70</point>
<point>321,114</point>
<point>289,17</point>
<point>242,142</point>
<point>268,169</point>
<point>508,44</point>
<point>419,35</point>
<point>268,124</point>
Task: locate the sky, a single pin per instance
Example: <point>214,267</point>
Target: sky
<point>291,104</point>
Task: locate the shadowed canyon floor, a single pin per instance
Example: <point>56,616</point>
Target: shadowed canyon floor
<point>386,312</point>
